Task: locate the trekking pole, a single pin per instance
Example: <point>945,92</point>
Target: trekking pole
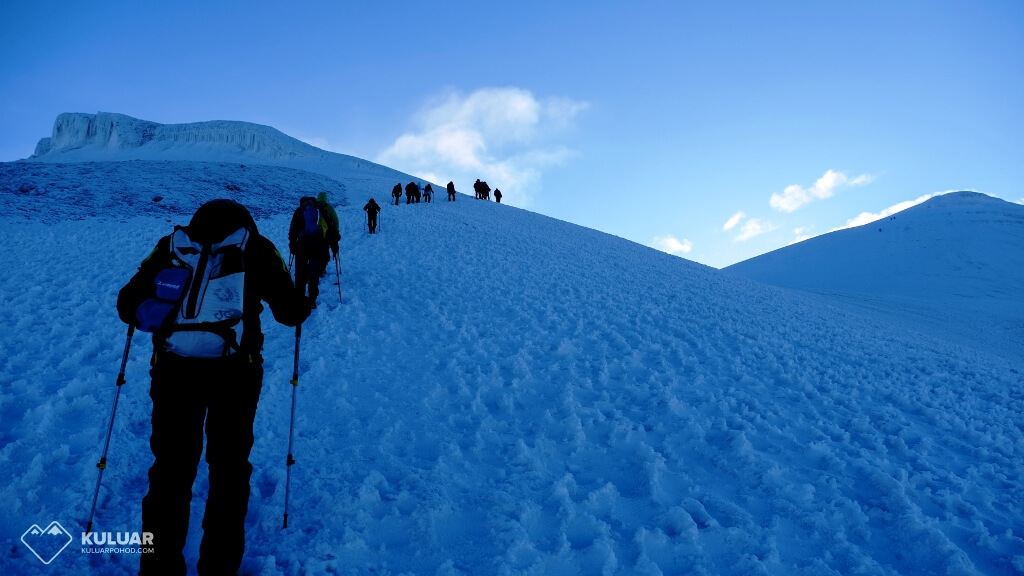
<point>337,276</point>
<point>102,464</point>
<point>291,426</point>
<point>290,258</point>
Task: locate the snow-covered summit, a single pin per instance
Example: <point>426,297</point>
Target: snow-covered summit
<point>108,137</point>
<point>957,258</point>
<point>79,136</point>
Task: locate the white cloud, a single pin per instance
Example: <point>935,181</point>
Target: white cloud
<point>796,196</point>
<point>802,233</point>
<point>672,245</point>
<point>501,135</point>
<point>868,217</point>
<point>733,221</point>
<point>753,227</point>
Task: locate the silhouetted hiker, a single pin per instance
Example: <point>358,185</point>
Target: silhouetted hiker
<point>478,188</point>
<point>207,371</point>
<point>427,193</point>
<point>371,209</point>
<point>485,191</point>
<point>396,192</point>
<point>412,189</point>
<point>497,196</point>
<point>451,191</point>
<point>310,236</point>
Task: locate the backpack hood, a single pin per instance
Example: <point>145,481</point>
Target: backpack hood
<point>322,197</point>
<point>216,219</point>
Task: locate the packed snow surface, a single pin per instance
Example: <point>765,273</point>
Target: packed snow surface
<point>498,392</point>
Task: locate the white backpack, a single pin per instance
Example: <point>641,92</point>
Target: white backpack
<point>207,321</point>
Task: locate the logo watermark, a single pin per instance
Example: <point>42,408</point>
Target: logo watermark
<point>46,543</point>
<point>117,542</point>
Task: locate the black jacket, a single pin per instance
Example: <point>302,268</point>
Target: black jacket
<point>313,247</point>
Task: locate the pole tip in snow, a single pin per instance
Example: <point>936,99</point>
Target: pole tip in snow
<point>285,522</point>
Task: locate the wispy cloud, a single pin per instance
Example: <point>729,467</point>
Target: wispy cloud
<point>733,221</point>
<point>796,196</point>
<point>868,217</point>
<point>753,227</point>
<point>672,245</point>
<point>750,227</point>
<point>802,233</point>
<point>502,135</point>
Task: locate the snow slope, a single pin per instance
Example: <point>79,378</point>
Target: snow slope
<point>52,192</point>
<point>504,393</point>
<point>952,265</point>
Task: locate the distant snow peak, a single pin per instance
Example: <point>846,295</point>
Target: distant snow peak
<point>107,137</point>
<point>115,134</point>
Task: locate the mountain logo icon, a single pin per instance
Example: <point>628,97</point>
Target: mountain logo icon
<point>46,543</point>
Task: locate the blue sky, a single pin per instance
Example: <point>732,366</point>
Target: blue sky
<point>718,130</point>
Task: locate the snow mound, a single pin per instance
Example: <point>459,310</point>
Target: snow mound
<point>954,263</point>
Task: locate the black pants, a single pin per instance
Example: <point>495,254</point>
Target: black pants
<point>451,196</point>
<point>308,271</point>
<point>187,393</point>
<point>371,223</point>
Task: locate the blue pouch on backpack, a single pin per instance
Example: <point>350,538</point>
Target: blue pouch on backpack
<point>170,285</point>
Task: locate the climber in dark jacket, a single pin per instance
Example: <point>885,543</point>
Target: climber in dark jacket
<point>372,209</point>
<point>207,372</point>
<point>313,230</point>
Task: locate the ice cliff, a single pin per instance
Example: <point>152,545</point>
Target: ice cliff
<point>106,136</point>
